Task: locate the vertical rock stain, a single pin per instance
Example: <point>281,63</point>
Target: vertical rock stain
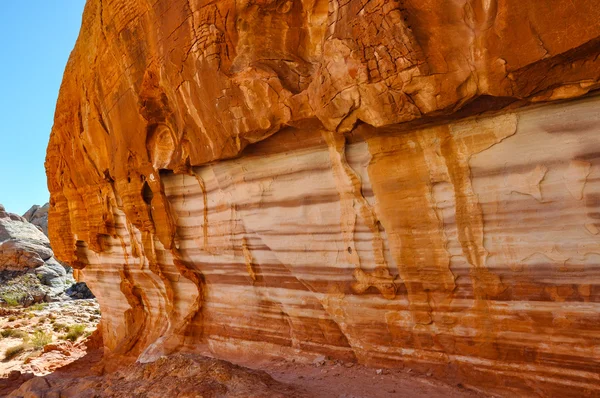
<point>354,205</point>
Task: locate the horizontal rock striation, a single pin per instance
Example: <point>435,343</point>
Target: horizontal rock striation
<point>297,178</point>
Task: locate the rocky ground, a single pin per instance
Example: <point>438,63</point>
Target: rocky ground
<point>44,337</point>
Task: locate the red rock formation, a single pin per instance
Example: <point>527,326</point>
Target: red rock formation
<point>371,211</point>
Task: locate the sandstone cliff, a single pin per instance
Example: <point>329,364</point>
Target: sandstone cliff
<point>351,178</point>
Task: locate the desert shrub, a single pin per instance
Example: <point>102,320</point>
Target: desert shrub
<point>11,299</point>
<point>7,332</point>
<point>38,307</point>
<point>57,327</point>
<point>16,333</point>
<point>75,332</point>
<point>40,339</point>
<point>12,318</point>
<point>12,352</point>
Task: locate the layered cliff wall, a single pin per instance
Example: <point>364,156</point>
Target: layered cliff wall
<point>290,178</point>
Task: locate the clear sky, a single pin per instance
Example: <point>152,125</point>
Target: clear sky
<point>36,38</point>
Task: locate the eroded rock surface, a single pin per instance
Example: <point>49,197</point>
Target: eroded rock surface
<point>22,245</point>
<point>378,215</point>
<point>29,273</point>
<point>38,216</point>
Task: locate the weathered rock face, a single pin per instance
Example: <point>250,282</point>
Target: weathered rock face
<point>29,272</point>
<point>22,245</point>
<point>378,216</point>
<point>38,216</point>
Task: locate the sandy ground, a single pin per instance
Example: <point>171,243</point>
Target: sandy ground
<point>335,379</point>
<point>360,382</point>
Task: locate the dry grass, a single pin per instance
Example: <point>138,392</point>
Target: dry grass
<point>40,339</point>
<point>75,332</point>
<point>12,352</point>
<point>15,333</point>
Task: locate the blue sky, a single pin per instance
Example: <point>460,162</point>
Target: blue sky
<point>36,38</point>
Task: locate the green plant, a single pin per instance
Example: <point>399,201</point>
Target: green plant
<point>12,318</point>
<point>16,333</point>
<point>12,352</point>
<point>41,338</point>
<point>75,332</point>
<point>11,300</point>
<point>38,307</point>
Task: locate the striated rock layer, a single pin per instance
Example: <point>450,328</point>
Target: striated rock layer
<point>379,214</point>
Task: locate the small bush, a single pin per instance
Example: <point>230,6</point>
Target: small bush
<point>75,332</point>
<point>12,352</point>
<point>12,318</point>
<point>11,300</point>
<point>16,333</point>
<point>38,307</point>
<point>41,338</point>
<point>57,327</point>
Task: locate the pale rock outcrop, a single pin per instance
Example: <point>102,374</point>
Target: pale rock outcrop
<point>286,178</point>
<point>38,216</point>
<point>28,270</point>
<point>22,245</point>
